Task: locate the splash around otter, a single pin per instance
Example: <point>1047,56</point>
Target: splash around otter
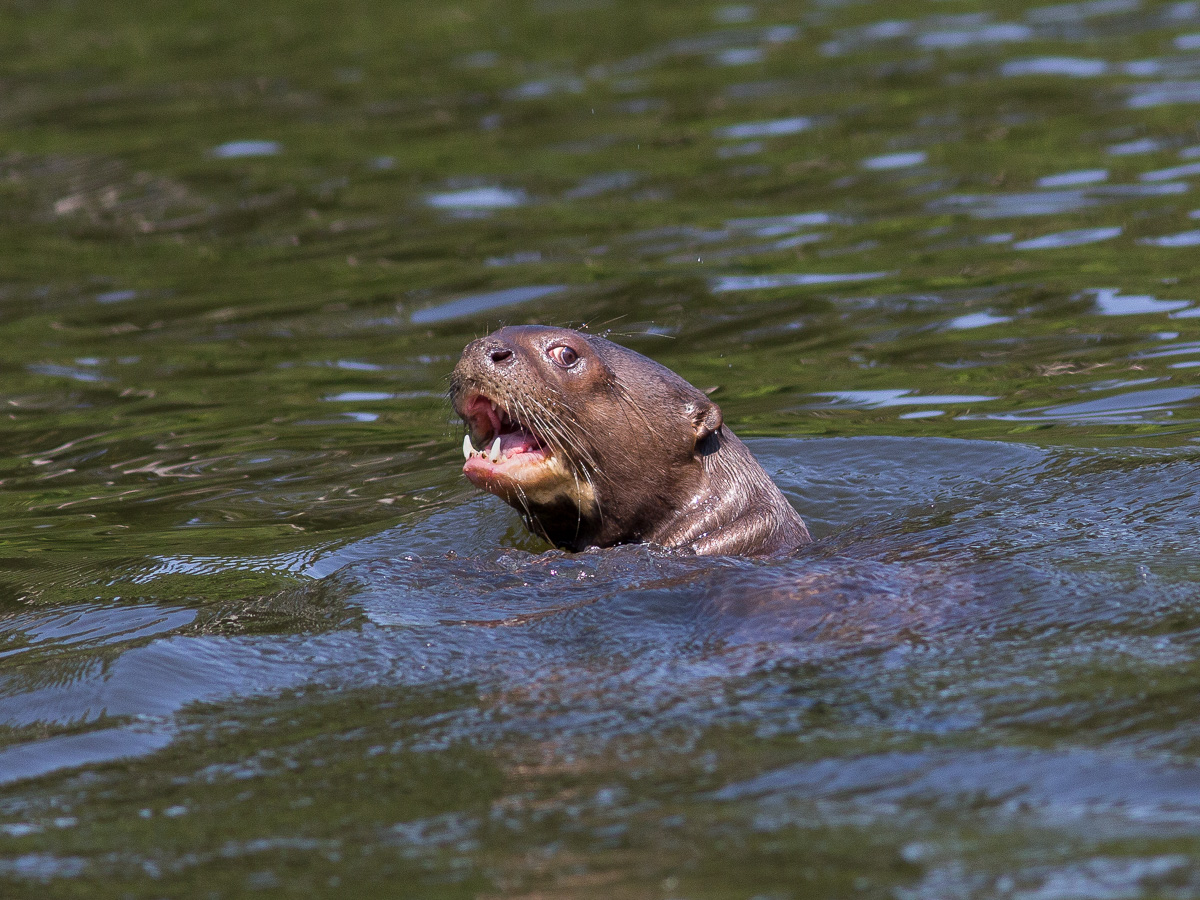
<point>596,445</point>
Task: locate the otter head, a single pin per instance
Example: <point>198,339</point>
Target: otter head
<point>591,442</point>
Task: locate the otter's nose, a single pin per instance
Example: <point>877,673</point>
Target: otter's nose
<point>496,352</point>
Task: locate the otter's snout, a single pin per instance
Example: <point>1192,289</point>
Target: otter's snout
<point>489,354</point>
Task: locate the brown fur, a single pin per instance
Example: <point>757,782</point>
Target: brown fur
<point>638,454</point>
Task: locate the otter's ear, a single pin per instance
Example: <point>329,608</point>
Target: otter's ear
<point>705,417</point>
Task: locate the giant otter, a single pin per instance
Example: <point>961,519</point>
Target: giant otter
<point>597,445</point>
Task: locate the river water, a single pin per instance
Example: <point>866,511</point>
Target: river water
<point>938,264</point>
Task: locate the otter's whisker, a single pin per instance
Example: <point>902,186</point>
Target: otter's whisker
<point>559,427</point>
<point>568,414</point>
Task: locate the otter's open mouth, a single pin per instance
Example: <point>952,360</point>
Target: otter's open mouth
<point>507,443</point>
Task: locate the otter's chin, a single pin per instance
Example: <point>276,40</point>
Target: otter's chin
<point>529,478</point>
<point>515,463</point>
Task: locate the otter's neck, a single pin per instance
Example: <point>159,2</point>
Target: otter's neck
<point>726,505</point>
<point>737,509</point>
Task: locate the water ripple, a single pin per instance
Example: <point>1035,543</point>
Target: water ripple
<point>478,198</point>
<point>1074,237</point>
<point>1164,94</point>
<point>769,128</point>
<point>727,283</point>
<point>1136,406</point>
<point>1111,302</point>
<point>1181,239</point>
<point>881,399</point>
<point>243,149</point>
<point>477,303</point>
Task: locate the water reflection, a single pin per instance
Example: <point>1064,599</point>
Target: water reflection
<point>116,296</point>
<point>1132,148</point>
<point>1070,179</point>
<point>974,35</point>
<point>93,748</point>
<point>1111,302</point>
<point>243,149</point>
<point>477,303</point>
<point>1164,93</point>
<point>895,161</point>
<point>880,399</point>
<point>1134,406</point>
<point>943,33</point>
<point>1006,781</point>
<point>1069,66</point>
<point>977,320</point>
<point>596,185</point>
<point>388,649</point>
<point>54,370</point>
<point>478,198</point>
<point>1170,350</point>
<point>1075,237</point>
<point>1071,12</point>
<point>91,624</point>
<point>772,128</point>
<point>773,226</point>
<point>1181,239</point>
<point>546,87</point>
<point>749,148</point>
<point>727,283</point>
<point>1170,174</point>
<point>740,56</point>
<point>1050,202</point>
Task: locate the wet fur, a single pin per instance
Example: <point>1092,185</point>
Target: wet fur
<point>646,455</point>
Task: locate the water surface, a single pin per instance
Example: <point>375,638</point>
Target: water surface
<point>936,263</point>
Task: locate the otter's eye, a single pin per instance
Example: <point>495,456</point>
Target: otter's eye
<point>563,356</point>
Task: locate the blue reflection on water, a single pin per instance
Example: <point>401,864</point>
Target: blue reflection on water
<point>1074,237</point>
<point>241,149</point>
<point>728,283</point>
<point>478,198</point>
<point>895,161</point>
<point>771,128</point>
<point>476,303</point>
<point>880,399</point>
<point>1110,302</point>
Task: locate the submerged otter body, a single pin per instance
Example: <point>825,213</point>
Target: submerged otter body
<point>597,445</point>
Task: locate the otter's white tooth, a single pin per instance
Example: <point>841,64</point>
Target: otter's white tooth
<point>467,448</point>
<point>494,456</point>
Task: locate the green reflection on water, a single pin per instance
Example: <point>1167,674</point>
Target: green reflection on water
<point>303,794</point>
<point>195,346</point>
